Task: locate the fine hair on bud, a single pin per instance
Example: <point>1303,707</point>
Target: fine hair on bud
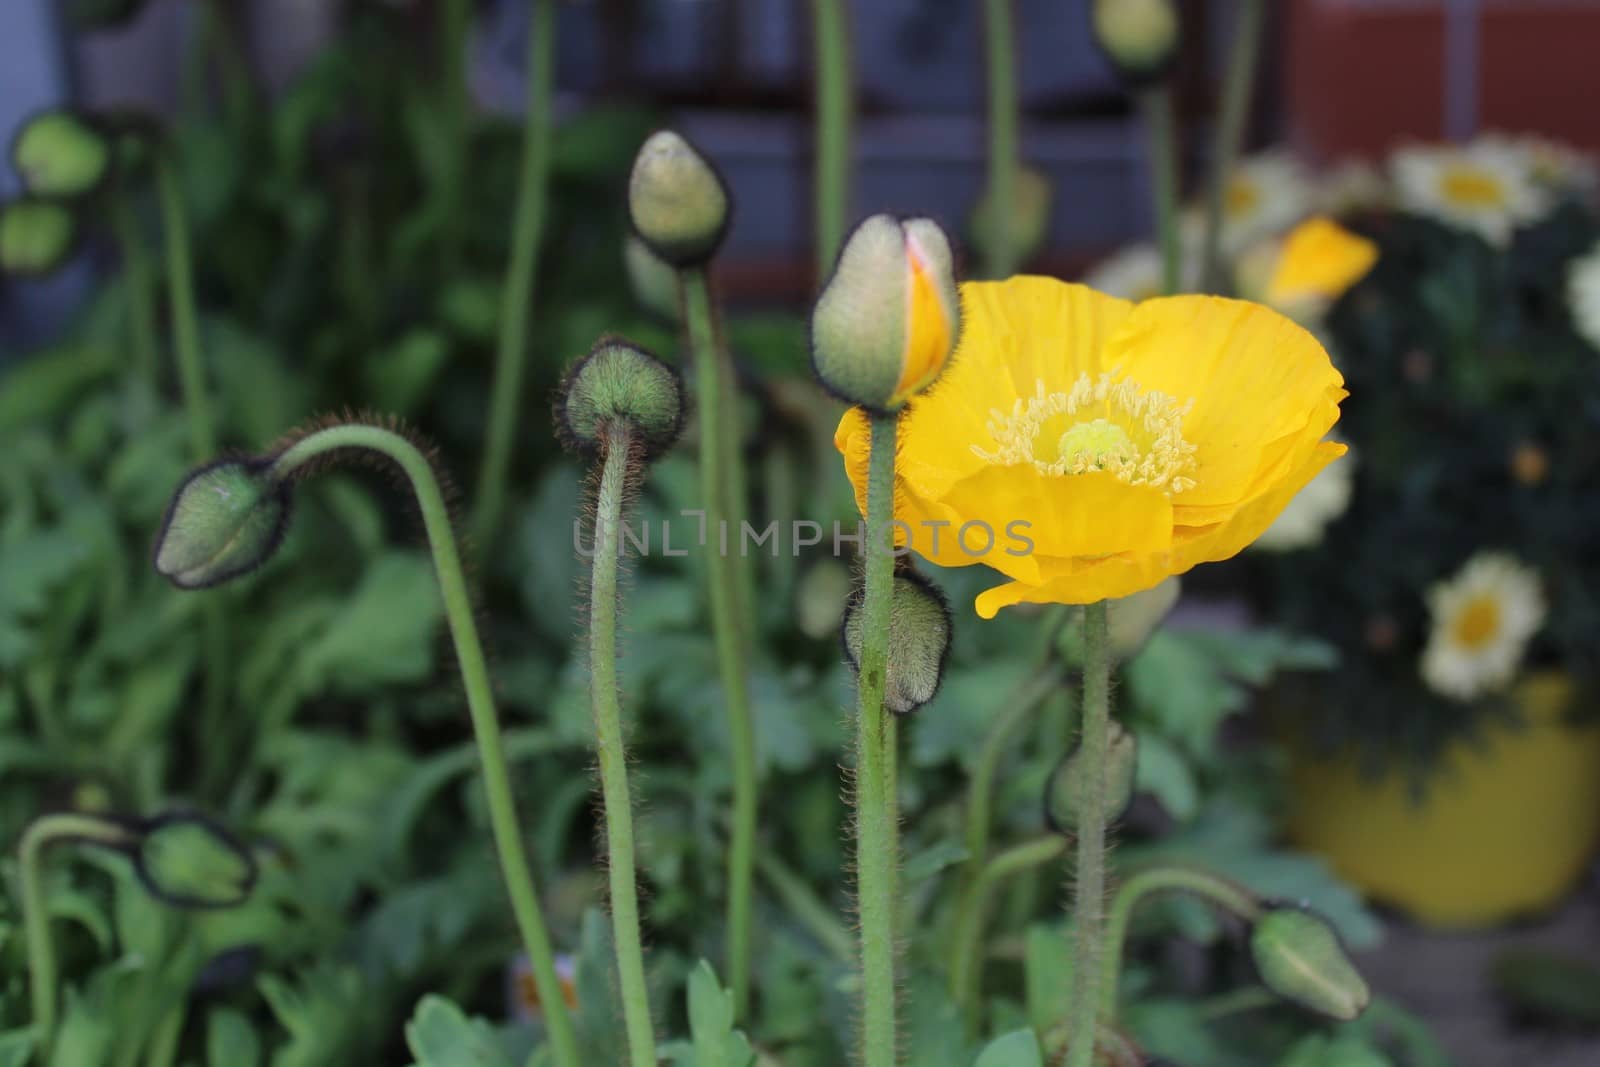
<point>619,383</point>
<point>677,200</point>
<point>889,318</point>
<point>188,860</point>
<point>226,519</point>
<point>1064,788</point>
<point>919,641</point>
<point>61,153</point>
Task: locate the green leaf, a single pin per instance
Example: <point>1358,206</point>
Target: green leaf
<point>383,633</point>
<point>16,1047</point>
<point>1047,974</point>
<point>716,1042</point>
<point>230,1040</point>
<point>1020,1048</point>
<point>1346,1050</point>
<point>1165,773</point>
<point>440,1035</point>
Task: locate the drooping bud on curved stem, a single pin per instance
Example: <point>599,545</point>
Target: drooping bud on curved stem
<point>888,320</point>
<point>677,200</point>
<point>36,237</point>
<point>61,154</point>
<point>225,520</point>
<point>1300,958</point>
<point>620,406</point>
<point>330,442</point>
<point>1139,37</point>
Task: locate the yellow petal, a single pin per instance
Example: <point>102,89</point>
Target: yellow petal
<point>1319,261</point>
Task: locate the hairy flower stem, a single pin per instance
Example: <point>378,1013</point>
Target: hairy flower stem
<point>516,293</point>
<point>503,818</point>
<point>610,748</point>
<point>42,976</point>
<point>877,815</point>
<point>966,963</point>
<point>136,286</point>
<point>1148,883</point>
<point>1000,42</point>
<point>1236,93</point>
<point>710,369</point>
<point>1089,894</point>
<point>832,44</point>
<point>1156,105</point>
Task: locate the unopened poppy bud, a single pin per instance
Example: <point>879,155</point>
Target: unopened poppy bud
<point>919,642</point>
<point>191,862</point>
<point>1300,958</point>
<point>226,519</point>
<point>654,282</point>
<point>36,236</point>
<point>1027,215</point>
<point>618,382</point>
<point>1064,790</point>
<point>679,206</point>
<point>888,320</point>
<point>60,154</point>
<point>1140,37</point>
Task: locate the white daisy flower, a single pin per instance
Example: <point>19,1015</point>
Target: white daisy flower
<point>1482,621</point>
<point>1134,273</point>
<point>1583,295</point>
<point>1351,186</point>
<point>1487,187</point>
<point>1266,194</point>
<point>1313,509</point>
<point>1558,167</point>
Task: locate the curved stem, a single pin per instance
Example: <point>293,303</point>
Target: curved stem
<point>1236,95</point>
<point>516,294</point>
<point>876,813</point>
<point>136,283</point>
<point>1000,41</point>
<point>721,569</point>
<point>1156,104</point>
<point>966,965</point>
<point>610,747</point>
<point>503,817</point>
<point>42,977</point>
<point>1089,895</point>
<point>1136,889</point>
<point>832,44</point>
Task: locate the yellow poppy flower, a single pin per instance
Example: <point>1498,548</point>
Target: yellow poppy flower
<point>1318,261</point>
<point>1087,447</point>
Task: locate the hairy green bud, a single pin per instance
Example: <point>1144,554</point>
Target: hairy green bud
<point>226,519</point>
<point>919,642</point>
<point>189,861</point>
<point>58,153</point>
<point>654,282</point>
<point>677,200</point>
<point>1300,958</point>
<point>1064,788</point>
<point>36,236</point>
<point>889,318</point>
<point>1140,37</point>
<point>1027,216</point>
<point>618,382</point>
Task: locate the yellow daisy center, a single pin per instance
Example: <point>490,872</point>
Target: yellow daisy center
<point>1473,188</point>
<point>1100,424</point>
<point>1478,622</point>
<point>1243,197</point>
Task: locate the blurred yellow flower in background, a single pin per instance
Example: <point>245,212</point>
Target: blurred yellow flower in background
<point>1482,621</point>
<point>1266,194</point>
<point>1303,273</point>
<point>1132,442</point>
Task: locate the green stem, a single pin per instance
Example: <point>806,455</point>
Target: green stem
<point>42,976</point>
<point>1138,888</point>
<point>876,813</point>
<point>1000,40</point>
<point>611,748</point>
<point>185,319</point>
<point>810,912</point>
<point>1089,894</point>
<point>168,1032</point>
<point>136,283</point>
<point>516,294</point>
<point>832,43</point>
<point>1236,1002</point>
<point>1236,93</point>
<point>1162,129</point>
<point>722,573</point>
<point>966,965</point>
<point>456,28</point>
<point>1019,708</point>
<point>503,817</point>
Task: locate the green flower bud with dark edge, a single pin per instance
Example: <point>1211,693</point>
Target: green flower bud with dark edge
<point>678,203</point>
<point>889,318</point>
<point>1028,214</point>
<point>1064,787</point>
<point>620,382</point>
<point>226,519</point>
<point>36,236</point>
<point>653,279</point>
<point>1300,958</point>
<point>188,861</point>
<point>1139,37</point>
<point>919,642</point>
<point>61,154</point>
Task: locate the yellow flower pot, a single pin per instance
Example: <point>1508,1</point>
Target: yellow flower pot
<point>1504,829</point>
